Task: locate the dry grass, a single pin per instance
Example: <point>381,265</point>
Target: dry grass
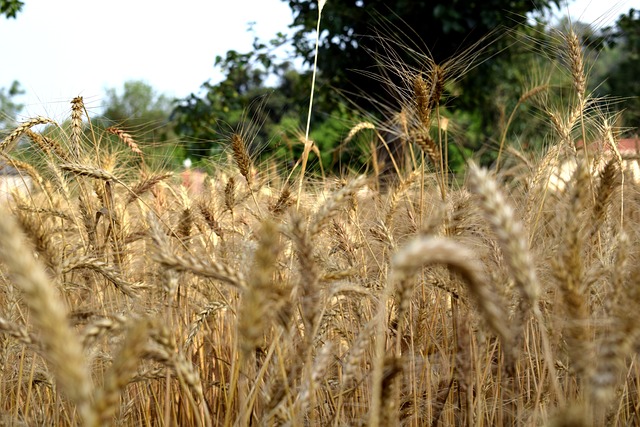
<point>125,300</point>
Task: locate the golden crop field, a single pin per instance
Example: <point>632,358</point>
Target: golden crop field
<point>496,297</point>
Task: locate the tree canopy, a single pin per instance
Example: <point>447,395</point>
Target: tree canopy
<point>443,28</point>
<point>10,8</point>
<point>9,107</point>
<point>621,76</point>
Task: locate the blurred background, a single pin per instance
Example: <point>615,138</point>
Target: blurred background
<point>186,74</point>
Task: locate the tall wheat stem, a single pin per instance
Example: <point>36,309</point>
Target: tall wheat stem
<point>307,143</point>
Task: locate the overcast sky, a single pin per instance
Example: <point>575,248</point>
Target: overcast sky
<point>58,49</point>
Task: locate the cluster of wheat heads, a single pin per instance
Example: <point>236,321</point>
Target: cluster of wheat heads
<point>127,300</point>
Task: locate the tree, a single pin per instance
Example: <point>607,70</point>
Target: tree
<point>138,107</point>
<point>442,27</point>
<point>356,36</point>
<point>261,95</point>
<point>144,114</point>
<point>622,68</point>
<point>138,103</point>
<point>10,8</point>
<point>9,108</point>
<point>266,99</point>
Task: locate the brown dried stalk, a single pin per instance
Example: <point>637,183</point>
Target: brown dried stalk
<point>63,348</point>
<point>188,263</point>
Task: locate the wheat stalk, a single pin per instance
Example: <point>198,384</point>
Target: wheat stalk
<point>22,128</point>
<point>509,231</point>
<point>90,171</point>
<point>308,144</point>
<point>127,139</point>
<point>77,108</point>
<point>63,348</point>
<point>120,372</point>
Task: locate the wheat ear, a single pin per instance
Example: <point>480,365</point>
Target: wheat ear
<point>90,171</point>
<point>63,348</point>
<point>330,208</point>
<point>569,271</point>
<point>77,108</point>
<point>421,252</point>
<point>47,144</point>
<point>253,311</point>
<point>188,263</point>
<point>127,139</point>
<point>22,128</point>
<point>120,372</point>
<point>613,146</point>
<point>509,231</point>
<point>241,156</point>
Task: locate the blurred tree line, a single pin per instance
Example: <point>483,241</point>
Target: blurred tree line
<point>511,55</point>
<point>264,93</point>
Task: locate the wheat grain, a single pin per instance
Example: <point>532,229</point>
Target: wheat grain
<point>8,142</point>
<point>63,349</point>
<point>120,372</point>
<point>509,231</point>
<point>90,171</point>
<point>127,139</point>
<point>241,156</point>
<point>77,108</point>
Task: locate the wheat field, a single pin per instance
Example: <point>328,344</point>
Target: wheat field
<point>491,299</point>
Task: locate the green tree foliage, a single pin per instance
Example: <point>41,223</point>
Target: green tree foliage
<point>202,117</point>
<point>9,108</point>
<point>623,63</point>
<point>261,87</point>
<point>358,37</point>
<point>444,28</point>
<point>138,104</point>
<point>10,8</point>
<point>266,99</point>
<point>143,113</point>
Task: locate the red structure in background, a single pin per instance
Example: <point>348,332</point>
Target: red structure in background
<point>626,146</point>
<point>193,180</point>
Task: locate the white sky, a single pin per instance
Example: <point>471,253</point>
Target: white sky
<point>59,49</point>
